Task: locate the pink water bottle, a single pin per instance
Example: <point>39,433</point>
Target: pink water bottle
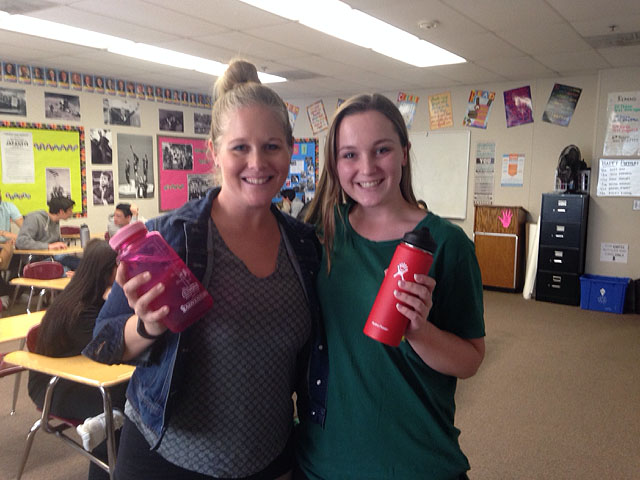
<point>414,254</point>
<point>144,251</point>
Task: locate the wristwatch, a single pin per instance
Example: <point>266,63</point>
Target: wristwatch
<point>143,331</point>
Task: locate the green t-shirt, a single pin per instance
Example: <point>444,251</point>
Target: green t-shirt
<point>389,415</point>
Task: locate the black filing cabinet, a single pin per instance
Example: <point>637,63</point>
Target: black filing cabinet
<point>563,242</point>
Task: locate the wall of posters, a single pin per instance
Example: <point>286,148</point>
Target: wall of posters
<point>39,161</point>
<point>185,170</point>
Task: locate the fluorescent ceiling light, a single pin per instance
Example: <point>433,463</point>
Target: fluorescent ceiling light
<point>339,20</point>
<point>117,45</point>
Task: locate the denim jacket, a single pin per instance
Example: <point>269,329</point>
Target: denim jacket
<point>157,377</point>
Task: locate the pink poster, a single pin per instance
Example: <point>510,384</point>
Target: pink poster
<point>185,170</point>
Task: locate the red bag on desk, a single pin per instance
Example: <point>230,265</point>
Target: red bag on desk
<point>45,270</point>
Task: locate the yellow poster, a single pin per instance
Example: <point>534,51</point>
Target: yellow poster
<point>440,111</point>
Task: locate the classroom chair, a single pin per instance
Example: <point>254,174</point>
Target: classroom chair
<point>78,369</point>
<point>44,270</point>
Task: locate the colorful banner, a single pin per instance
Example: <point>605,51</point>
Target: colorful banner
<point>518,106</point>
<point>479,107</point>
<point>185,170</point>
<point>561,105</point>
<point>512,170</point>
<point>440,111</point>
<point>303,169</point>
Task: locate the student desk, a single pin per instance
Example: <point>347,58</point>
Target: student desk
<point>52,285</point>
<point>16,327</point>
<point>45,252</point>
<point>81,370</point>
<point>74,237</point>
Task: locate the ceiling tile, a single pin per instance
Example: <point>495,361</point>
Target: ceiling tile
<point>602,25</point>
<point>242,44</point>
<point>515,68</point>
<point>566,63</point>
<point>537,39</point>
<point>622,56</point>
<point>578,10</point>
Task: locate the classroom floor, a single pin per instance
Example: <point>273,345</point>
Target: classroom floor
<point>556,397</point>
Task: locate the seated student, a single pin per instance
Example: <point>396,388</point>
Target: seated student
<point>66,328</point>
<point>41,230</point>
<point>9,214</point>
<point>124,214</point>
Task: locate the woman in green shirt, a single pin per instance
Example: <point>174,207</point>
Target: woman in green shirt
<point>390,411</point>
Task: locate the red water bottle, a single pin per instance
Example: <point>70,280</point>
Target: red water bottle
<point>414,254</point>
<point>144,251</point>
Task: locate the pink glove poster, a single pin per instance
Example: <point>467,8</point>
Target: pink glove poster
<point>185,170</point>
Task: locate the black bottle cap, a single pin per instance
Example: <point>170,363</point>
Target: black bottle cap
<point>421,239</point>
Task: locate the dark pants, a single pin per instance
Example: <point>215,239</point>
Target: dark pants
<point>137,461</point>
<point>69,261</point>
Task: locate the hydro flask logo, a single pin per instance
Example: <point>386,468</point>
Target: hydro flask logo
<point>402,269</point>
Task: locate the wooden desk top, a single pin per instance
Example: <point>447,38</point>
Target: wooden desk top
<point>49,253</point>
<point>77,369</point>
<point>55,284</point>
<point>17,326</point>
<point>76,236</point>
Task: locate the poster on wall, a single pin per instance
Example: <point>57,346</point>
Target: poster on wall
<point>512,170</point>
<point>293,111</point>
<point>101,146</point>
<point>440,111</point>
<point>135,166</point>
<point>118,111</point>
<point>40,161</point>
<point>561,105</point>
<point>622,138</point>
<point>317,117</point>
<point>102,182</point>
<point>201,123</point>
<point>58,183</point>
<point>13,102</point>
<point>170,120</point>
<point>518,106</point>
<point>479,107</point>
<point>58,105</point>
<point>185,171</point>
<point>407,105</point>
<point>485,170</point>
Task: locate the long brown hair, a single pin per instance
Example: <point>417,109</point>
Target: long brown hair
<point>86,288</point>
<point>329,193</point>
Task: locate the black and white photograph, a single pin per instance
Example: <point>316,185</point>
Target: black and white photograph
<point>101,146</point>
<point>59,105</point>
<point>118,111</point>
<point>199,183</point>
<point>201,122</point>
<point>58,183</point>
<point>102,187</point>
<point>171,120</point>
<point>13,102</point>
<point>135,166</point>
<point>177,156</point>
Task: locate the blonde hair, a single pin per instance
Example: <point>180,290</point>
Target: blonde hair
<point>240,87</point>
<point>329,193</point>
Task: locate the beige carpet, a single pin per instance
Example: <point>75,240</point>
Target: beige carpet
<point>558,397</point>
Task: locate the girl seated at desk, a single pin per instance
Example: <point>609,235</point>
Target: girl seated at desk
<point>66,328</point>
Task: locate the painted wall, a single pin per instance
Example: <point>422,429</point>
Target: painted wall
<point>610,219</point>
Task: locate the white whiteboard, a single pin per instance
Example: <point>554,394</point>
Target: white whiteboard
<point>440,171</point>
<point>619,178</point>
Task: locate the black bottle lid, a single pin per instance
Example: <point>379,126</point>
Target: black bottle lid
<point>421,239</point>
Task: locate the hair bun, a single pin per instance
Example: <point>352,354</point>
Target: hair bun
<point>237,73</point>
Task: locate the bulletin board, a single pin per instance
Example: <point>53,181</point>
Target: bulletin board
<point>185,170</point>
<point>303,169</point>
<point>40,160</point>
<point>440,171</point>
